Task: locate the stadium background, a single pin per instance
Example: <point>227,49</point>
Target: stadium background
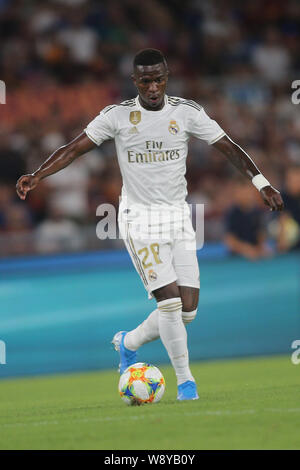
<point>64,292</point>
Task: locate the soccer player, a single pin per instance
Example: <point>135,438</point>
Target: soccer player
<point>151,133</point>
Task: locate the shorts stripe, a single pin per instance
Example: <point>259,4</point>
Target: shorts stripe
<point>136,258</point>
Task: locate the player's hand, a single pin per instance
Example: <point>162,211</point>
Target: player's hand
<point>26,183</point>
<point>272,198</point>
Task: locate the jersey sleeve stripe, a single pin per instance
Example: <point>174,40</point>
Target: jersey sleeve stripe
<point>217,138</point>
<point>193,103</point>
<point>91,137</point>
<point>178,101</point>
<point>108,108</point>
<point>129,103</point>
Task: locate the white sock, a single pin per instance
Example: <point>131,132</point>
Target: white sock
<point>144,333</point>
<point>174,337</point>
<point>149,331</point>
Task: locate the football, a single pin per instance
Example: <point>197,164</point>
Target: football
<point>141,383</point>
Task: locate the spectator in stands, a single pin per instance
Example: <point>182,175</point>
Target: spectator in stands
<point>65,60</point>
<point>289,221</point>
<point>244,228</point>
<point>9,171</point>
<point>57,234</point>
<point>16,230</point>
<point>271,58</point>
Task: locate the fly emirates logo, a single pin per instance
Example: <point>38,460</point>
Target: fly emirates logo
<point>153,153</point>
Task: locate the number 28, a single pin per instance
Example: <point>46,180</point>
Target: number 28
<point>154,247</point>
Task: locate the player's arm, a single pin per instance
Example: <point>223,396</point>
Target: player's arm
<point>239,158</point>
<point>61,158</point>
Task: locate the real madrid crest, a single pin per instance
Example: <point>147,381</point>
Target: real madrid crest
<point>135,117</point>
<point>173,127</point>
<point>152,275</point>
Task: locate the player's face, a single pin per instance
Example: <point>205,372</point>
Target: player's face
<point>151,82</point>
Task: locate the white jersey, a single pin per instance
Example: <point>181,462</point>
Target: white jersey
<point>152,146</point>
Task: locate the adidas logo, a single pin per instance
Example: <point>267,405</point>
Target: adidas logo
<point>133,130</point>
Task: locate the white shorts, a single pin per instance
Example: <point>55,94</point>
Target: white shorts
<point>162,255</point>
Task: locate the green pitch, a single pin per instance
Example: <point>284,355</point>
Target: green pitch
<point>244,404</point>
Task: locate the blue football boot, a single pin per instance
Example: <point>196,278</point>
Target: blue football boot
<point>127,357</point>
<point>187,391</point>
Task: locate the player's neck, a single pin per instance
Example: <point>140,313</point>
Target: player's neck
<point>149,108</point>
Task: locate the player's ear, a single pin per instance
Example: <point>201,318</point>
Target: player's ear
<point>133,78</point>
<point>166,70</point>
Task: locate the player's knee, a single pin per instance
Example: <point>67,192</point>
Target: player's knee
<point>190,298</point>
<point>189,304</point>
<point>170,309</point>
<point>188,317</point>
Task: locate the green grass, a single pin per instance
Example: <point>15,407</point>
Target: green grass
<point>244,404</point>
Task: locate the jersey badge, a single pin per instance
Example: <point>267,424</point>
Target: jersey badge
<point>135,117</point>
<point>173,127</point>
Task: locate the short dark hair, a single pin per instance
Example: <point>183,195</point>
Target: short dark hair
<point>149,57</point>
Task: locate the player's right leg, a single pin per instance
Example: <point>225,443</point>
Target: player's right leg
<point>127,356</point>
<point>153,262</point>
<point>153,271</point>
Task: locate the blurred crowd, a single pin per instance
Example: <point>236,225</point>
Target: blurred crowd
<point>63,60</point>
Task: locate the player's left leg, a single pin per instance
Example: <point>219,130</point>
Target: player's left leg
<point>190,298</point>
